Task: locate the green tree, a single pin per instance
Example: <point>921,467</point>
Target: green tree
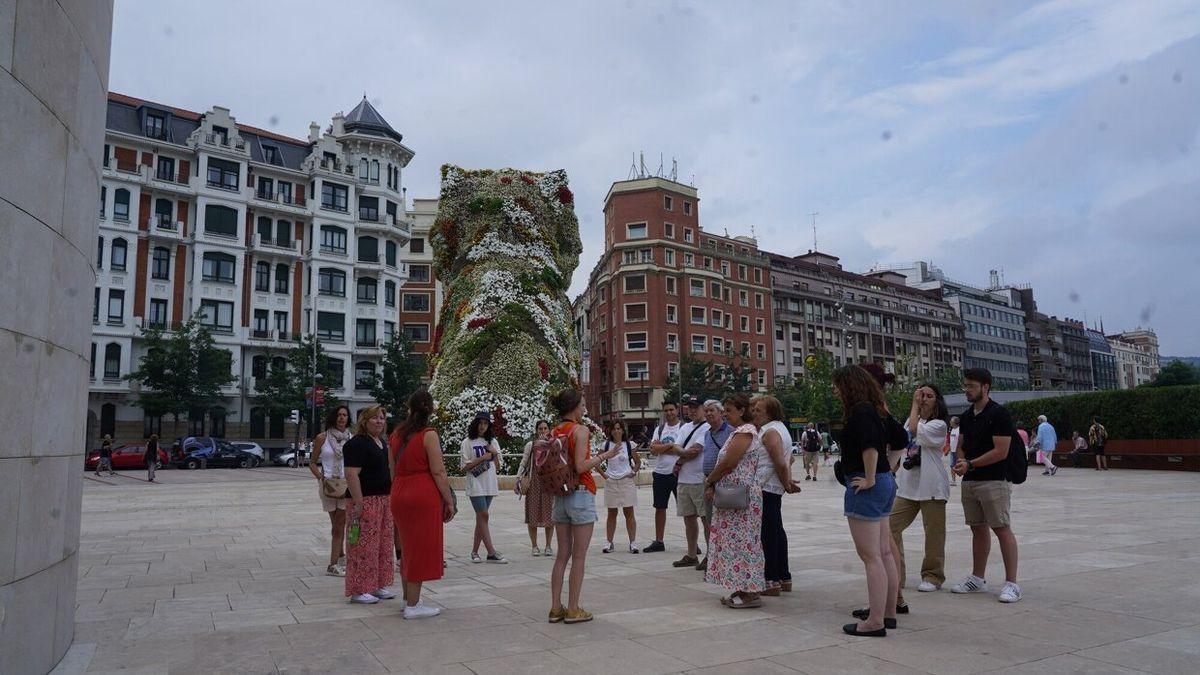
<point>791,397</point>
<point>399,376</point>
<point>1174,374</point>
<point>736,375</point>
<point>285,388</point>
<point>819,402</point>
<point>696,377</point>
<point>182,370</point>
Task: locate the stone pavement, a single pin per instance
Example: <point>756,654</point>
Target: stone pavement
<point>223,571</point>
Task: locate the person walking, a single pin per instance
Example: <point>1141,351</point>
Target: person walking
<point>151,457</point>
<point>923,486</point>
<point>775,476</point>
<point>987,431</point>
<point>105,464</point>
<point>620,485</point>
<point>735,554</point>
<point>330,472</point>
<point>370,565</point>
<point>574,513</point>
<point>422,501</point>
<point>825,447</point>
<point>539,504</point>
<point>713,440</point>
<point>810,442</point>
<point>663,447</point>
<point>689,501</point>
<point>1098,438</point>
<point>480,455</point>
<point>869,496</point>
<point>1047,439</point>
<point>953,442</point>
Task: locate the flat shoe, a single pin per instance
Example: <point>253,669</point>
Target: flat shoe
<point>852,629</point>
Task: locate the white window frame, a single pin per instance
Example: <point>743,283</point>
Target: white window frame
<point>703,316</point>
<point>672,342</point>
<point>745,324</point>
<point>671,286</point>
<point>687,235</point>
<point>743,299</point>
<point>702,341</point>
<point>760,326</point>
<point>625,282</point>
<point>625,311</point>
<point>631,375</point>
<point>669,230</point>
<point>669,257</point>
<point>630,341</point>
<point>717,318</point>
<point>643,225</point>
<point>692,288</point>
<point>761,351</point>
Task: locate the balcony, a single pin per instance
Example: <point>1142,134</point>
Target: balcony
<point>280,199</point>
<point>222,141</point>
<point>289,248</point>
<point>170,177</point>
<point>257,334</point>
<point>164,221</point>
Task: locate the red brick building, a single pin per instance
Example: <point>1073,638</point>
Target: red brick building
<point>665,287</point>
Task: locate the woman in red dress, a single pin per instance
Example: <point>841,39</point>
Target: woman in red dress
<point>421,502</point>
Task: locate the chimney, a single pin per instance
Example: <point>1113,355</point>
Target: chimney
<point>314,132</point>
<point>338,124</point>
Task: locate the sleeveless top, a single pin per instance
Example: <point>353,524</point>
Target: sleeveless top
<point>567,430</point>
<point>414,461</point>
<point>331,465</point>
<point>766,468</point>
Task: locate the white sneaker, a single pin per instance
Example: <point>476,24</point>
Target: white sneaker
<point>384,594</point>
<point>497,559</point>
<point>421,611</point>
<point>927,587</point>
<point>475,558</point>
<point>608,547</point>
<point>1010,593</point>
<point>364,599</point>
<point>549,552</point>
<point>970,584</point>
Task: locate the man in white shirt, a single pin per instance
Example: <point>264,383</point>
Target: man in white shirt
<point>663,447</point>
<point>689,497</point>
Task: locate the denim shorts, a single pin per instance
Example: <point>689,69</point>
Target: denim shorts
<point>577,508</point>
<point>870,505</point>
<point>481,504</point>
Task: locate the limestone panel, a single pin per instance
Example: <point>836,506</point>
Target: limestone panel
<point>32,149</point>
<point>74,284</point>
<point>8,525</point>
<point>22,359</point>
<point>92,20</point>
<point>54,396</point>
<point>46,56</point>
<point>88,128</point>
<point>81,200</point>
<point>24,240</point>
<point>42,512</point>
<point>28,607</point>
<point>8,18</point>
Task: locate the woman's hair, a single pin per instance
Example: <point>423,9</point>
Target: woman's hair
<point>331,416</point>
<point>154,437</point>
<point>771,407</point>
<point>855,385</point>
<point>741,402</point>
<point>881,376</point>
<point>420,408</point>
<point>540,423</point>
<point>616,424</point>
<point>366,414</point>
<point>474,432</point>
<point>940,411</point>
<point>566,400</point>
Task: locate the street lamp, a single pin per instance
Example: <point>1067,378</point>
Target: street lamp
<point>645,396</point>
<point>847,322</point>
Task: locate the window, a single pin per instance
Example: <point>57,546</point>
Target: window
<point>416,245</point>
<point>270,154</point>
<point>761,351</point>
<point>636,230</point>
<point>743,299</point>
<point>220,220</point>
<point>162,214</point>
<point>687,235</point>
<point>266,188</point>
<point>758,326</point>
<point>103,198</point>
<point>668,230</point>
<point>698,316</point>
<point>368,249</point>
<point>390,253</point>
<point>223,174</point>
<point>744,324</point>
<point>121,204</point>
<point>264,229</point>
<point>417,332</point>
<point>334,196</point>
<point>717,318</point>
<point>367,290</point>
<point>364,332</point>
<point>699,344</point>
<point>646,255</point>
<point>218,267</point>
<point>687,208</point>
<point>635,283</point>
<point>672,314</point>
<point>635,311</point>
<point>689,260</point>
<point>336,373</point>
<point>389,331</point>
<point>668,203</point>
<point>333,239</point>
<point>669,257</point>
<point>389,293</point>
<point>416,302</point>
<point>116,306</point>
<point>281,324</point>
<point>283,233</point>
<point>714,289</point>
<point>165,169</point>
<point>636,370</point>
<point>158,313</point>
<point>281,278</point>
<point>331,326</point>
<point>418,274</point>
<point>112,361</point>
<point>628,257</point>
<point>96,307</point>
<point>217,315</point>
<point>696,288</point>
<point>262,319</point>
<point>374,171</point>
<point>119,251</point>
<point>669,284</point>
<point>331,281</point>
<point>635,341</point>
<point>758,276</point>
<point>262,277</point>
<point>364,374</point>
<point>672,342</point>
<point>258,422</point>
<point>758,300</point>
<point>724,268</point>
<point>363,169</point>
<point>368,208</point>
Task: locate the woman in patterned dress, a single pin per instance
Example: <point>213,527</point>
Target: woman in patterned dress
<point>539,504</point>
<point>735,557</point>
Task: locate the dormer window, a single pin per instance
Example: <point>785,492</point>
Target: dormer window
<point>270,154</point>
<point>156,126</point>
<point>222,135</point>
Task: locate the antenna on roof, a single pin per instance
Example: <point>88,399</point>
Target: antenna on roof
<point>642,165</point>
<point>660,165</point>
<point>632,166</point>
<point>674,170</point>
<point>814,215</point>
<point>693,183</point>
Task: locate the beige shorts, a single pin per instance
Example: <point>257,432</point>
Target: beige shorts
<point>986,502</point>
<point>810,459</point>
<point>620,492</point>
<point>328,504</point>
<point>690,501</point>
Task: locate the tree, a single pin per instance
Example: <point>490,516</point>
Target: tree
<point>819,402</point>
<point>1174,374</point>
<point>400,377</point>
<point>182,370</point>
<point>696,377</point>
<point>737,373</point>
<point>286,387</point>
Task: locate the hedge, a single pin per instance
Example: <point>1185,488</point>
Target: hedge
<point>1145,413</point>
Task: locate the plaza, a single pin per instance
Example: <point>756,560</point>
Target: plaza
<point>223,571</point>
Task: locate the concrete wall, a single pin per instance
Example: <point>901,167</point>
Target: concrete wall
<point>53,77</point>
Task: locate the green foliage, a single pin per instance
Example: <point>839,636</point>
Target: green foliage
<point>485,205</point>
<point>697,377</point>
<point>1175,374</point>
<point>284,389</point>
<point>399,376</point>
<point>1143,413</point>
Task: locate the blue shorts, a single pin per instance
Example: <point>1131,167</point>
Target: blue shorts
<point>577,508</point>
<point>481,504</point>
<point>870,505</point>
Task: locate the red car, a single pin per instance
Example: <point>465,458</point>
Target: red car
<point>127,457</point>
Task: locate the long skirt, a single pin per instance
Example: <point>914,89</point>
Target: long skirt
<point>417,510</point>
<point>370,564</point>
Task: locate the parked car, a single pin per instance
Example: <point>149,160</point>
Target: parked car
<point>192,443</point>
<point>221,455</point>
<point>294,458</point>
<point>130,456</point>
<point>252,448</point>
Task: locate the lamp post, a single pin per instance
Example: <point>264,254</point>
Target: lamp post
<point>847,322</point>
<point>645,396</point>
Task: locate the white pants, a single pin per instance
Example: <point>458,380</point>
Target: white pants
<point>150,470</point>
<point>1047,463</point>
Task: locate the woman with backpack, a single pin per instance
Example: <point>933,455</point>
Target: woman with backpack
<point>539,504</point>
<point>620,485</point>
<point>480,456</point>
<point>574,506</point>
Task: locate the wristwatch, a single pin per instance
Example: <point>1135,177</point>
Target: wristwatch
<point>970,465</point>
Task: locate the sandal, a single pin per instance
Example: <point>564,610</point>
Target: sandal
<point>772,591</point>
<point>785,586</point>
<point>737,601</point>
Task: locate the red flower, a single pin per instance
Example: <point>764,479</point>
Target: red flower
<point>565,196</point>
<point>528,180</point>
<point>479,322</point>
<point>505,180</point>
<point>499,424</point>
<point>545,369</point>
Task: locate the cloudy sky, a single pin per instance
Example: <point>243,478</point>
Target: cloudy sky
<point>1056,141</point>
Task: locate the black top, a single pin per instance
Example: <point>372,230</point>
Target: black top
<point>362,452</point>
<point>863,430</point>
<point>151,451</point>
<point>977,431</point>
<point>106,449</point>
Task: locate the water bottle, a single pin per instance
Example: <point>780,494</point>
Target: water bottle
<point>353,534</point>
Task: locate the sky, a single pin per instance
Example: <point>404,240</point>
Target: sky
<point>1057,142</point>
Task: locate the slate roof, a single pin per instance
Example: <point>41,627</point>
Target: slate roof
<point>364,118</point>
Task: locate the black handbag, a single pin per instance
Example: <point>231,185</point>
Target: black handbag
<point>838,473</point>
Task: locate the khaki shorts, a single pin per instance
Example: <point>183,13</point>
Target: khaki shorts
<point>810,459</point>
<point>689,500</point>
<point>986,502</point>
<point>328,504</point>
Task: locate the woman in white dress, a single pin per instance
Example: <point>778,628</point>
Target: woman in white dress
<point>620,485</point>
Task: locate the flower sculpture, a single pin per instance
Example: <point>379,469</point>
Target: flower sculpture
<point>505,244</point>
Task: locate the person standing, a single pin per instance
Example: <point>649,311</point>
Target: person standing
<point>1098,438</point>
<point>330,467</point>
<point>664,448</point>
<point>1047,439</point>
<point>953,441</point>
<point>689,501</point>
<point>713,440</point>
<point>370,565</point>
<point>422,501</point>
<point>151,457</point>
<point>811,444</point>
<point>869,496</point>
<point>539,504</point>
<point>480,455</point>
<point>1078,447</point>
<point>775,476</point>
<point>106,447</point>
<point>620,485</point>
<point>574,513</point>
<point>923,486</point>
<point>987,431</point>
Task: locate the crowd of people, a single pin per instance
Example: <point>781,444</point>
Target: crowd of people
<point>728,465</point>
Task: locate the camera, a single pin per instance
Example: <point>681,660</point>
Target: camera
<point>912,460</point>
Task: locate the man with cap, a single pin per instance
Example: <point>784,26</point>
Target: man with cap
<point>689,498</point>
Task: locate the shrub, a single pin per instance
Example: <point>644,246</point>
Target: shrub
<point>1143,413</point>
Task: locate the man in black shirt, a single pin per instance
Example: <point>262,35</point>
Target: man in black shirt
<point>986,431</point>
